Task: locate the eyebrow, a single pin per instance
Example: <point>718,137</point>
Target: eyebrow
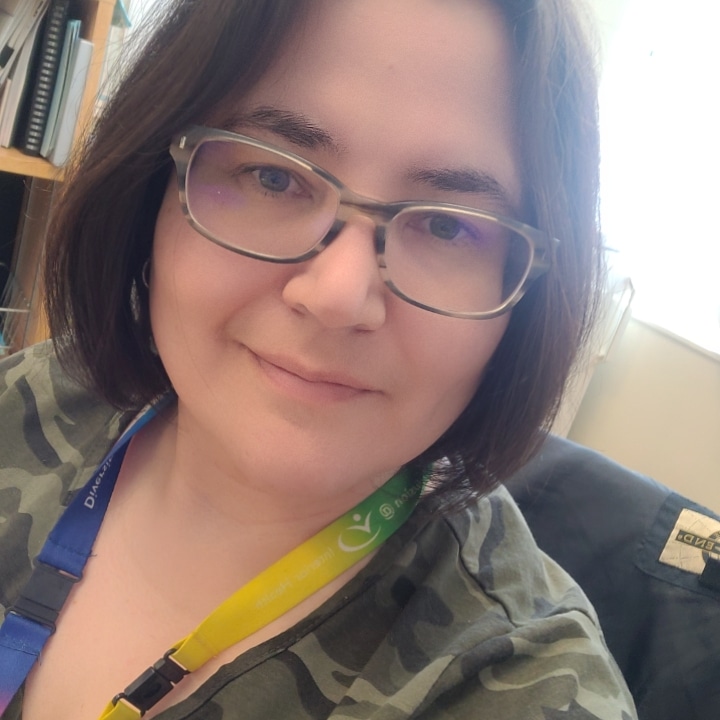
<point>300,131</point>
<point>467,181</point>
<point>293,127</point>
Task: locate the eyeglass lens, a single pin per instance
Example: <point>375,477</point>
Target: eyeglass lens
<point>263,203</point>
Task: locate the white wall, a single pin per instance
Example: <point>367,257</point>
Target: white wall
<point>654,406</point>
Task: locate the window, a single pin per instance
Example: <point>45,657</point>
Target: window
<point>660,174</point>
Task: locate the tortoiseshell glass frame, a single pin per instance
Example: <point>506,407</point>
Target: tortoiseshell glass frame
<point>185,144</point>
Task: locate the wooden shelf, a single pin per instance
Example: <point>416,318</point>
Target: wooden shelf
<point>96,17</point>
<point>13,161</point>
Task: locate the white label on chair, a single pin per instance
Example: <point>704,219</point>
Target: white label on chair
<point>694,539</point>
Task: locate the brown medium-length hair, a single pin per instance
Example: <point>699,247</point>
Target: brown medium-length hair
<point>204,50</point>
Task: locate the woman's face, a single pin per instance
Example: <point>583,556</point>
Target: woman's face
<point>314,378</point>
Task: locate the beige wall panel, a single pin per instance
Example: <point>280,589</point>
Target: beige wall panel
<point>655,407</point>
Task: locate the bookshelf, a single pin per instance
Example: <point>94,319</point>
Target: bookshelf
<point>96,16</point>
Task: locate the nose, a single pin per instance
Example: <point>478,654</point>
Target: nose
<point>341,287</point>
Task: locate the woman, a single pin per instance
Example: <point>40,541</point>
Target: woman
<point>323,308</point>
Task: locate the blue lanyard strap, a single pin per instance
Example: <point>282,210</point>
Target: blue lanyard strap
<point>30,621</point>
<point>70,542</point>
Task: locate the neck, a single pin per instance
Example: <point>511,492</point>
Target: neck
<point>220,525</point>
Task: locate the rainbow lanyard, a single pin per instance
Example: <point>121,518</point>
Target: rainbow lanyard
<point>31,620</point>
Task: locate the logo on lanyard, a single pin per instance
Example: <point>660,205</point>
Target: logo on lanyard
<point>89,502</point>
<point>362,533</point>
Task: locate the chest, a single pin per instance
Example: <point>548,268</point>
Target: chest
<point>120,619</point>
<point>114,625</point>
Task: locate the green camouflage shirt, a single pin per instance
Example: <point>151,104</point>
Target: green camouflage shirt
<point>454,618</point>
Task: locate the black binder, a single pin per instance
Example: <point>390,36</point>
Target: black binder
<point>30,135</point>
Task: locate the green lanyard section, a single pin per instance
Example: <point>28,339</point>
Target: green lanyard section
<point>273,592</point>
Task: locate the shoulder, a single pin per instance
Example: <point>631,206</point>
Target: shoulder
<point>48,422</point>
<point>453,619</point>
<point>497,550</point>
<point>52,436</point>
<point>524,637</point>
<point>647,559</point>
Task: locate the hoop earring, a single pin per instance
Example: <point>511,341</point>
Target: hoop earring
<point>145,274</point>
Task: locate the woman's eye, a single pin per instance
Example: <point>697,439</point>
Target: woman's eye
<point>274,179</point>
<point>445,227</point>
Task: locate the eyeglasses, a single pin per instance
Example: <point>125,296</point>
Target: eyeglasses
<point>258,200</point>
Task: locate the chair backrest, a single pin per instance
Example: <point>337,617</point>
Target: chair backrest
<point>648,559</point>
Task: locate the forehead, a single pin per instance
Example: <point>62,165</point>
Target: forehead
<point>424,82</point>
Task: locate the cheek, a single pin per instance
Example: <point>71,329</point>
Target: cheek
<point>444,369</point>
<point>196,285</point>
<point>451,360</point>
<point>474,352</point>
<point>178,274</point>
<point>186,266</point>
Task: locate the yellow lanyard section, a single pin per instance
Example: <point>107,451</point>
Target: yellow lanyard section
<point>273,592</point>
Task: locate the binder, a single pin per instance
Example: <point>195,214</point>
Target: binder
<point>70,44</point>
<point>31,136</point>
<point>70,106</point>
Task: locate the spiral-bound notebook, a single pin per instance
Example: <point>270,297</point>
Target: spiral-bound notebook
<point>67,59</point>
<point>30,136</point>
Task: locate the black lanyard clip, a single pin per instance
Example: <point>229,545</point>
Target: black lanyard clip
<point>154,684</point>
<point>44,595</point>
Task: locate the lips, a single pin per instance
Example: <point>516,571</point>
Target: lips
<point>313,384</point>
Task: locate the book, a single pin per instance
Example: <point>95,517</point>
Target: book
<point>51,45</point>
<point>6,22</point>
<point>72,37</point>
<point>11,14</point>
<point>4,94</point>
<point>10,6</point>
<point>23,20</point>
<point>8,12</point>
<point>16,86</point>
<point>70,104</point>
